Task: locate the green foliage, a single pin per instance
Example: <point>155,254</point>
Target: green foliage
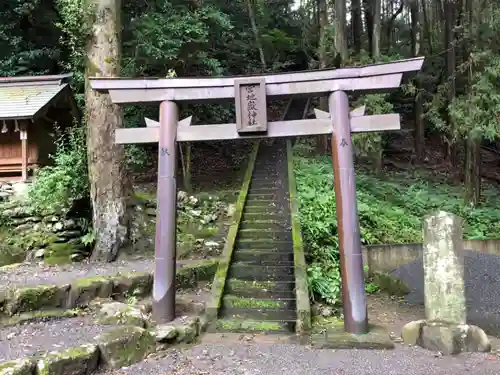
<point>57,186</point>
<point>391,210</point>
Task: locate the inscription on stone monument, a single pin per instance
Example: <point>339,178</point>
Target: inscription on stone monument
<point>251,109</point>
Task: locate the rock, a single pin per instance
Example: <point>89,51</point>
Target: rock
<point>39,254</point>
<point>22,366</point>
<point>24,227</point>
<point>81,360</point>
<point>450,339</point>
<point>35,297</point>
<point>441,338</point>
<point>125,345</point>
<point>326,311</point>
<point>230,210</point>
<point>193,200</point>
<point>196,213</point>
<point>86,289</point>
<point>121,313</point>
<point>477,340</point>
<point>211,244</point>
<point>136,284</point>
<point>77,257</point>
<point>411,332</point>
<point>58,226</point>
<point>188,331</point>
<point>69,234</point>
<point>163,333</point>
<point>182,195</point>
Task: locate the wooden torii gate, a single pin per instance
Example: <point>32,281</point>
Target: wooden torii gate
<point>249,94</point>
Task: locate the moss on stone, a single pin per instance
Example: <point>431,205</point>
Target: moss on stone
<point>132,284</point>
<point>189,275</point>
<point>248,325</point>
<point>336,338</point>
<point>84,290</point>
<point>34,316</point>
<point>59,253</point>
<point>125,345</point>
<point>251,303</point>
<point>35,297</point>
<point>301,283</point>
<point>390,284</point>
<point>320,323</point>
<point>79,360</point>
<point>22,366</point>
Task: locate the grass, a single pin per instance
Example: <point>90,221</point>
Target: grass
<point>391,209</point>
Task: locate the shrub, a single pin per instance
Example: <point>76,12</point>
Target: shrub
<point>58,186</point>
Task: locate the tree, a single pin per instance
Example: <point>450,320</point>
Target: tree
<point>108,182</point>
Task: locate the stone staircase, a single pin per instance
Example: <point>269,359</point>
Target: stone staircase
<point>259,291</point>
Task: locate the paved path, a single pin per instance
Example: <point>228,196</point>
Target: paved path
<point>482,283</point>
<point>289,359</point>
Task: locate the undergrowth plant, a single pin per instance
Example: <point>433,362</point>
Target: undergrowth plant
<point>58,186</point>
<point>391,209</point>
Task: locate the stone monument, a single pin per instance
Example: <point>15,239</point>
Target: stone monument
<point>444,329</point>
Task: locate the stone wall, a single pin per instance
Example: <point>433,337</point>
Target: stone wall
<point>386,258</point>
<point>25,235</point>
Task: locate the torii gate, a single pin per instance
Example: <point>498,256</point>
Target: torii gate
<point>249,94</point>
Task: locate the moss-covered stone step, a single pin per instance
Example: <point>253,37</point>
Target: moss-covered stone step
<point>255,326</point>
<point>264,190</point>
<point>260,203</point>
<point>264,234</point>
<point>237,302</point>
<point>275,225</point>
<point>267,195</point>
<point>266,243</point>
<point>262,289</point>
<point>263,184</point>
<point>244,271</point>
<point>262,210</point>
<point>258,314</point>
<point>263,257</point>
<point>275,216</point>
<point>83,290</point>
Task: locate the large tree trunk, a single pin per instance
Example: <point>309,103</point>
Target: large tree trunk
<point>449,14</point>
<point>418,112</point>
<point>357,25</point>
<point>377,21</point>
<point>427,28</point>
<point>340,31</point>
<point>255,30</point>
<point>377,154</point>
<point>108,183</point>
<point>322,140</point>
<point>368,13</point>
<point>473,144</point>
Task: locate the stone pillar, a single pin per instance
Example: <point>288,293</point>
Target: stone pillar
<point>444,329</point>
<point>443,255</point>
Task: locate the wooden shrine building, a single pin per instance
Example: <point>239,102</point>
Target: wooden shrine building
<point>30,107</point>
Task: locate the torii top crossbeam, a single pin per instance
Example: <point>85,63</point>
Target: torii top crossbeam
<point>370,78</point>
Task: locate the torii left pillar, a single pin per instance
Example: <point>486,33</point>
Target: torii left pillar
<point>166,215</point>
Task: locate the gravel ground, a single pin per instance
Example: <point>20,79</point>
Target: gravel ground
<point>482,288</point>
<point>33,338</point>
<point>33,274</point>
<point>279,359</point>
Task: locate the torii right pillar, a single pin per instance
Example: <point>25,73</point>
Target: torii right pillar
<point>351,257</point>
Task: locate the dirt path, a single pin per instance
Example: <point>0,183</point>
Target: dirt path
<point>35,274</point>
<point>37,338</point>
